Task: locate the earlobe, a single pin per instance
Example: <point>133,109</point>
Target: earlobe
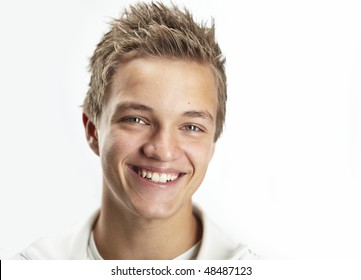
<point>91,134</point>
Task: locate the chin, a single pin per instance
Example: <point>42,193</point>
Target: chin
<point>155,210</point>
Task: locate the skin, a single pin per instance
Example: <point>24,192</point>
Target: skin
<point>160,117</point>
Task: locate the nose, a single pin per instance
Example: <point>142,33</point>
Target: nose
<point>163,146</point>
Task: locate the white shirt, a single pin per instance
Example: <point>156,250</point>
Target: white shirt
<point>93,253</point>
<point>73,244</point>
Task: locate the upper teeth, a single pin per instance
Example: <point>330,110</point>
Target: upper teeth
<point>157,177</point>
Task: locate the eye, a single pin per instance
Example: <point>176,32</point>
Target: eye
<point>192,128</point>
<point>135,120</point>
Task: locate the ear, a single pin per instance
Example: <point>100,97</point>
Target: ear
<point>91,134</point>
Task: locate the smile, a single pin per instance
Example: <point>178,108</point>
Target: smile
<point>157,177</point>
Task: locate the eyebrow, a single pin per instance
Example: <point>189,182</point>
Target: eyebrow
<point>132,106</point>
<point>203,114</point>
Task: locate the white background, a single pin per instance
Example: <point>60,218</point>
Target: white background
<point>286,175</point>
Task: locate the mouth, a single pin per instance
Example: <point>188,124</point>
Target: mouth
<point>162,177</point>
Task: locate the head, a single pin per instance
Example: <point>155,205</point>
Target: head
<point>155,108</point>
<point>154,30</point>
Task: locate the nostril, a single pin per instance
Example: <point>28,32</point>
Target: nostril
<point>161,151</point>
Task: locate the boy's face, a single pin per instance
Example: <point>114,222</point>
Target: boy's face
<point>156,134</point>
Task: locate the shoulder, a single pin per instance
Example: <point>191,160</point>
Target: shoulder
<point>70,244</point>
<point>217,245</point>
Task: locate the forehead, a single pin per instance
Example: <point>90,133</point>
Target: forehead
<point>144,69</point>
<point>164,82</point>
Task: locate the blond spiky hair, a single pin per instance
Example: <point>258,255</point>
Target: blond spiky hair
<point>154,30</point>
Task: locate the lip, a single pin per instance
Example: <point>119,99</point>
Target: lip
<point>133,170</point>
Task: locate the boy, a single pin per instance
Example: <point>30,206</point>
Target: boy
<point>153,113</point>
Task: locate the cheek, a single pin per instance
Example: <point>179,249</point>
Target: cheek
<point>199,155</point>
<point>114,149</point>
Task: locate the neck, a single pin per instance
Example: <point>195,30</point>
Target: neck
<point>120,234</point>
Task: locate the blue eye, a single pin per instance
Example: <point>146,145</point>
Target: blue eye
<point>192,128</point>
<point>135,120</point>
